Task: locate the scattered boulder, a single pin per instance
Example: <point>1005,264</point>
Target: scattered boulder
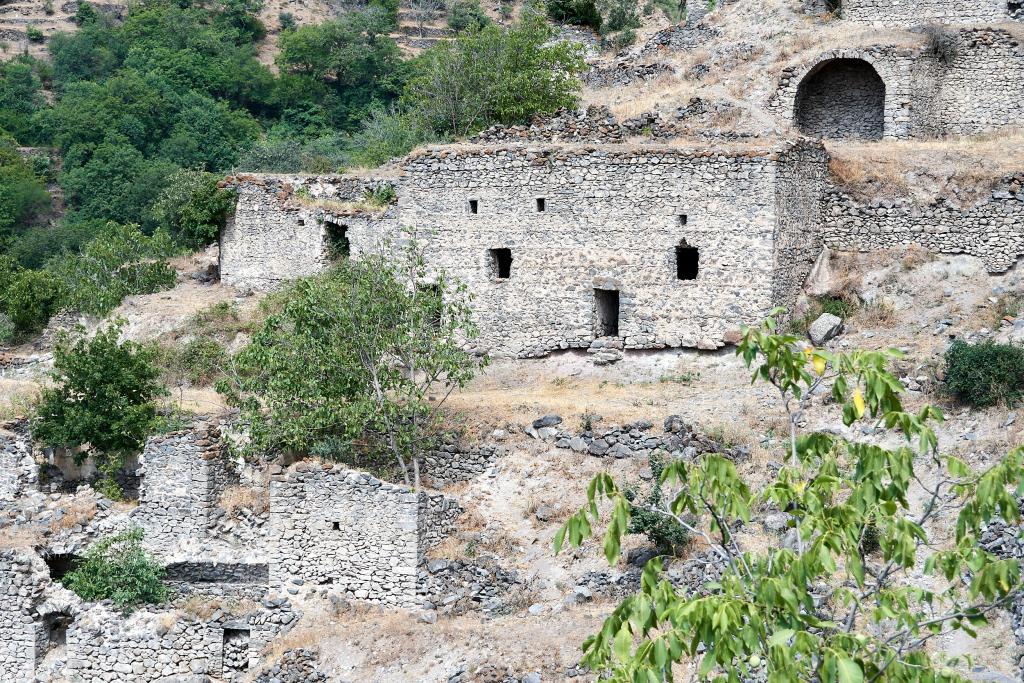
<point>826,327</point>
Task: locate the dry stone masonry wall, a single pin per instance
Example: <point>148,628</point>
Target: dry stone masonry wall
<point>916,12</point>
<point>351,533</point>
<point>655,246</point>
<point>992,229</point>
<point>18,470</point>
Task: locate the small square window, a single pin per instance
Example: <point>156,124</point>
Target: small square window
<point>302,221</point>
<point>541,204</point>
<point>336,526</point>
<point>682,219</point>
<point>501,263</point>
<point>474,206</point>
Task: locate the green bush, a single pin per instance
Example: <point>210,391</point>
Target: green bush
<point>193,208</point>
<point>466,14</point>
<point>579,12</point>
<point>22,193</point>
<point>667,535</point>
<point>103,394</point>
<point>286,20</point>
<point>6,329</point>
<point>27,297</point>
<point>34,34</point>
<point>37,245</point>
<point>985,374</point>
<point>118,569</point>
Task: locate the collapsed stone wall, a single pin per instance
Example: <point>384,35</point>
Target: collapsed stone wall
<point>351,533</point>
<point>972,84</point>
<point>18,470</point>
<point>992,229</point>
<point>916,12</point>
<point>184,474</point>
<point>452,463</point>
<point>281,228</point>
<point>22,582</point>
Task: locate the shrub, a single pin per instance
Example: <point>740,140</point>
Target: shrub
<point>667,535</point>
<point>286,20</point>
<point>22,193</point>
<point>120,261</point>
<point>103,394</point>
<point>6,329</point>
<point>203,360</point>
<point>37,245</point>
<point>34,34</point>
<point>985,374</point>
<point>118,569</point>
<point>386,135</point>
<point>466,14</point>
<point>193,208</point>
<point>579,12</point>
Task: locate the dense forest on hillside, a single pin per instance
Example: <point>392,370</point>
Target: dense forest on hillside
<point>132,123</point>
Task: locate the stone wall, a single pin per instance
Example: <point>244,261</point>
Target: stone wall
<point>916,12</point>
<point>183,476</point>
<point>991,229</point>
<point>973,83</point>
<point>21,582</point>
<point>577,221</point>
<point>18,470</point>
<point>218,579</point>
<point>280,228</point>
<point>351,533</point>
<point>452,463</point>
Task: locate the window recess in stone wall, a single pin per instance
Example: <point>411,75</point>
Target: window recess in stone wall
<point>338,246</point>
<point>841,98</point>
<point>541,204</point>
<point>336,526</point>
<point>606,313</point>
<point>474,206</point>
<point>52,636</point>
<point>687,261</point>
<point>501,263</point>
<point>682,219</point>
<point>60,564</point>
<point>435,301</point>
<point>236,650</point>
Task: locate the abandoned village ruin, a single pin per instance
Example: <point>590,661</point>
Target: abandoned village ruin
<point>569,237</point>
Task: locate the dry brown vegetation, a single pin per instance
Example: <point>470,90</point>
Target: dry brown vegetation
<point>238,498</point>
<point>79,511</point>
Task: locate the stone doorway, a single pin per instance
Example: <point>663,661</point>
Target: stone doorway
<point>841,98</point>
<point>606,313</point>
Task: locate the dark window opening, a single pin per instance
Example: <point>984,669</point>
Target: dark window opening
<point>302,221</point>
<point>606,304</point>
<point>236,649</point>
<point>841,98</point>
<point>1015,7</point>
<point>433,303</point>
<point>474,206</point>
<point>337,241</point>
<point>687,262</point>
<point>834,7</point>
<point>329,581</point>
<point>541,204</point>
<point>682,219</point>
<point>61,564</point>
<point>336,526</point>
<point>52,635</point>
<point>501,263</point>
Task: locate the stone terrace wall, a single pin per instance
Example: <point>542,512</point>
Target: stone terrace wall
<point>992,229</point>
<point>612,219</point>
<point>917,12</point>
<point>351,532</point>
<point>183,476</point>
<point>17,468</point>
<point>278,231</point>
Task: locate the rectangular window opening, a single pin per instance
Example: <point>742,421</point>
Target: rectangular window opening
<point>336,526</point>
<point>687,262</point>
<point>501,263</point>
<point>682,219</point>
<point>474,206</point>
<point>338,246</point>
<point>606,308</point>
<point>236,650</point>
<point>434,303</point>
<point>541,204</point>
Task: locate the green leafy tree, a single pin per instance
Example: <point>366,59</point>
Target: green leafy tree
<point>466,14</point>
<point>193,208</point>
<point>103,395</point>
<point>118,262</point>
<point>27,297</point>
<point>118,568</point>
<point>580,12</point>
<point>495,75</point>
<point>349,363</point>
<point>22,194</point>
<point>20,97</point>
<point>763,612</point>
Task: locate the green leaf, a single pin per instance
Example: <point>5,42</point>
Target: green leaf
<point>848,670</point>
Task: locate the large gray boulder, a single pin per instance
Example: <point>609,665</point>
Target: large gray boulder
<point>826,327</point>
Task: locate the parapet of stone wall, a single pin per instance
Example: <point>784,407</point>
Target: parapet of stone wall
<point>350,532</point>
<point>888,13</point>
<point>452,463</point>
<point>184,474</point>
<point>18,470</point>
<point>991,229</point>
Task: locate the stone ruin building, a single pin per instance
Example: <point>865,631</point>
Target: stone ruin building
<point>576,239</point>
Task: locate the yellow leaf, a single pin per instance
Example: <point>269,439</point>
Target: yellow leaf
<point>808,351</point>
<point>819,365</point>
<point>858,403</point>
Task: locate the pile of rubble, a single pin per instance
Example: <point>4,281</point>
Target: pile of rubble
<point>634,440</point>
<point>295,666</point>
<point>452,587</point>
